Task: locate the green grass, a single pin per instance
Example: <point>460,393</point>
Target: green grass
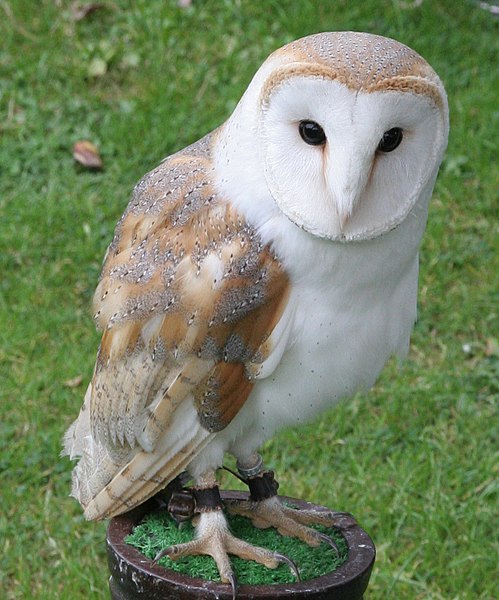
<point>415,460</point>
<point>158,531</point>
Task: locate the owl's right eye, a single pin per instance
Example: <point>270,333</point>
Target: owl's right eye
<point>312,133</point>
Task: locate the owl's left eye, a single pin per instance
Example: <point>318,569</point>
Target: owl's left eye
<point>312,133</point>
<point>391,139</point>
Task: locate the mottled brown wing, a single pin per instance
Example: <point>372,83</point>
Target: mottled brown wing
<point>187,300</point>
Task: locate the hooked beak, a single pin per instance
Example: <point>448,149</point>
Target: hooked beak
<point>347,172</point>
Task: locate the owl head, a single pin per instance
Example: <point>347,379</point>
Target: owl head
<point>348,129</point>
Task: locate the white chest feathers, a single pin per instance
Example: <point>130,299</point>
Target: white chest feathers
<point>350,309</point>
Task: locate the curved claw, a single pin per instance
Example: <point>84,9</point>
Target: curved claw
<point>328,540</point>
<point>160,554</point>
<point>291,564</point>
<point>233,585</point>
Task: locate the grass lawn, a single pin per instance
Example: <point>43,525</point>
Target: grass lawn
<point>413,460</point>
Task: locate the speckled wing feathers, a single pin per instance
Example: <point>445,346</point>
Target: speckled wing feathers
<point>187,300</point>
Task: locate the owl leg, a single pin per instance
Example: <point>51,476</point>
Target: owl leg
<point>214,538</point>
<point>265,509</point>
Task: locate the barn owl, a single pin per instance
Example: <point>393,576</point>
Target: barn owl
<point>256,278</point>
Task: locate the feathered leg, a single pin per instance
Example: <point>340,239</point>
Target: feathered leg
<point>214,538</point>
<point>265,509</point>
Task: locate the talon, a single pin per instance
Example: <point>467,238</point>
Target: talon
<point>160,554</point>
<point>328,540</point>
<point>291,564</point>
<point>233,585</point>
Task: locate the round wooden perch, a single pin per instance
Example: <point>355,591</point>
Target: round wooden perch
<point>133,576</point>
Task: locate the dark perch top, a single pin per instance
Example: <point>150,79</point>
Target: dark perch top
<point>133,576</point>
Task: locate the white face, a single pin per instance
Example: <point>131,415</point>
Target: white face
<point>347,188</point>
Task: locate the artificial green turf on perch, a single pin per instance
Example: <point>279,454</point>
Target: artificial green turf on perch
<point>158,531</point>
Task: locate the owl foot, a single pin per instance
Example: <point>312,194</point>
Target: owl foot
<point>293,522</point>
<point>265,509</point>
<point>214,539</point>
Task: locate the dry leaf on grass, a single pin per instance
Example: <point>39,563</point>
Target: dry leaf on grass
<point>85,153</point>
<point>74,382</point>
<point>80,11</point>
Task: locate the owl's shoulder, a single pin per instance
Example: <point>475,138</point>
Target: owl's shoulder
<point>168,195</point>
<point>180,240</point>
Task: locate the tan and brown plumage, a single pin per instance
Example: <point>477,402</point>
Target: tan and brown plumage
<point>187,300</point>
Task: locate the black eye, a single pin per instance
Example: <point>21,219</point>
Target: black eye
<point>312,133</point>
<point>390,140</point>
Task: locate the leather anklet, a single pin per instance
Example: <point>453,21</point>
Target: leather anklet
<point>186,503</point>
<point>262,486</point>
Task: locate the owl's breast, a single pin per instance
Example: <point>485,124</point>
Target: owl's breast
<point>351,314</point>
